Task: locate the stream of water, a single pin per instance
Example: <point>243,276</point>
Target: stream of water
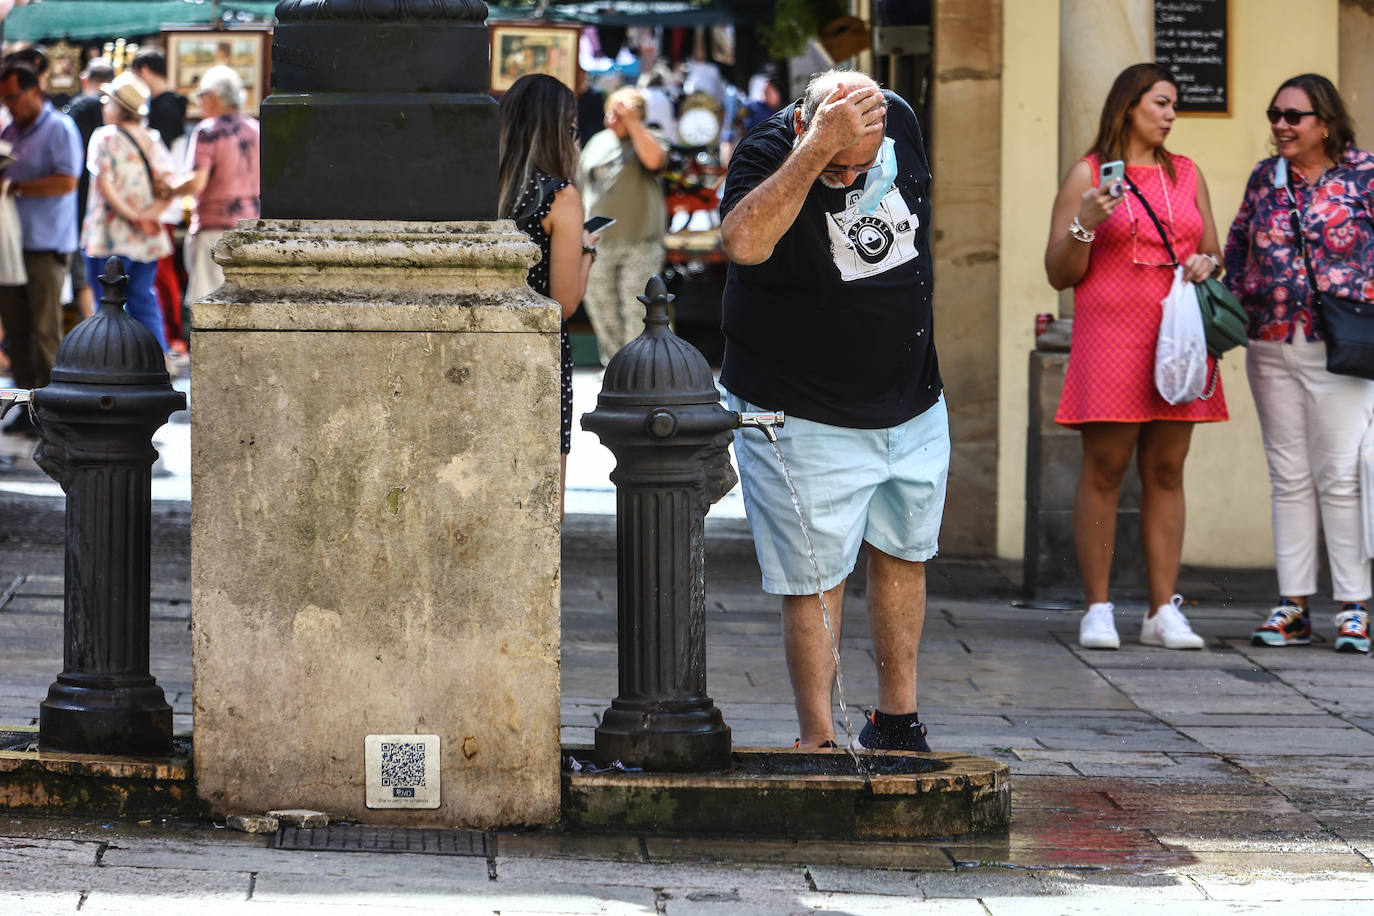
<point>825,611</point>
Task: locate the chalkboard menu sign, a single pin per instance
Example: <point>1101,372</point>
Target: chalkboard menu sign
<point>1190,40</point>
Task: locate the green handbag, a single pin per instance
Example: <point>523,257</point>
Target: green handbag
<point>1223,317</point>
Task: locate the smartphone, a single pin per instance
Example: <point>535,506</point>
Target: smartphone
<point>1111,175</point>
<point>597,223</point>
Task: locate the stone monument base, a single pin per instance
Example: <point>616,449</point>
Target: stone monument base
<point>375,521</point>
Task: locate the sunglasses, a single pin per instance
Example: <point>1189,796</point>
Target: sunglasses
<point>1291,115</point>
<point>1135,254</point>
<point>845,169</point>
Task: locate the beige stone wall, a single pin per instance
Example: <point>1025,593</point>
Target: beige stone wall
<point>1227,485</point>
<point>1030,177</point>
<point>966,138</point>
<point>375,522</point>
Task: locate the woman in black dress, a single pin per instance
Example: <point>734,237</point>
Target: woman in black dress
<point>538,163</point>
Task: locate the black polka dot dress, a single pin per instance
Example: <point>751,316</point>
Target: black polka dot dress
<point>533,206</point>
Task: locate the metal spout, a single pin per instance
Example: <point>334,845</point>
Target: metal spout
<point>11,396</point>
<point>764,421</point>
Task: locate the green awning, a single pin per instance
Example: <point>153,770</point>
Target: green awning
<point>670,13</point>
<point>80,20</point>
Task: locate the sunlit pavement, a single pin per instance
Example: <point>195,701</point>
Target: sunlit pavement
<point>1232,779</point>
<point>589,465</point>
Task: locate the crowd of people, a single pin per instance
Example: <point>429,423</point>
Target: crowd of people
<point>1117,243</point>
<point>113,174</point>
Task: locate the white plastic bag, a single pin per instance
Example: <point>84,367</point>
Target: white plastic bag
<point>1181,351</point>
<point>1367,489</point>
<point>11,241</point>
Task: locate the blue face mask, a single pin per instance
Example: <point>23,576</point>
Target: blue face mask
<point>880,179</point>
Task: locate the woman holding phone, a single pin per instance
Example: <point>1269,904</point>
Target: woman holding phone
<point>1311,420</point>
<point>1105,242</point>
<point>538,161</point>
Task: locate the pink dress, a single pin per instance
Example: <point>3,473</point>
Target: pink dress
<point>1116,306</point>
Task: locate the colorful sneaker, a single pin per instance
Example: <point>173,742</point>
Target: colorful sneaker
<point>1352,626</point>
<point>1169,628</point>
<point>893,733</point>
<point>1288,625</point>
<point>821,746</point>
<point>1097,629</point>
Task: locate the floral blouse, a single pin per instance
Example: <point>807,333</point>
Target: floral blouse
<point>112,156</point>
<point>1264,268</point>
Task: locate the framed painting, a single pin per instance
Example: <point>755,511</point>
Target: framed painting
<point>192,51</point>
<point>64,69</point>
<point>518,49</point>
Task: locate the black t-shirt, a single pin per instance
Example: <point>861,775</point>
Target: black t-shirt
<point>167,115</point>
<point>836,325</point>
<point>87,112</point>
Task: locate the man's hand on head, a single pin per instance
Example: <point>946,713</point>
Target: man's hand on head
<point>623,111</point>
<point>847,117</point>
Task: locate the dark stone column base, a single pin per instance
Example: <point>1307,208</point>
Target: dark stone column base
<point>392,156</point>
<point>666,737</point>
<point>134,721</point>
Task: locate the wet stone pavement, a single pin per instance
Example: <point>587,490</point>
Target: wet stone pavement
<point>1233,779</point>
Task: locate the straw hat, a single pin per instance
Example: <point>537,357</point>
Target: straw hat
<point>129,91</point>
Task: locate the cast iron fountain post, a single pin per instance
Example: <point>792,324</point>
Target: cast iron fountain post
<point>109,393</point>
<point>659,412</point>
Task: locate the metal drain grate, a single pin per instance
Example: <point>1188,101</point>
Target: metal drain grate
<point>18,741</point>
<point>413,840</point>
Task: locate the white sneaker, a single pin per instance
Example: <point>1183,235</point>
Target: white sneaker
<point>1169,628</point>
<point>1097,629</point>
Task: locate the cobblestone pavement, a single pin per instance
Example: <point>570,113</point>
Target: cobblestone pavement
<point>1233,779</point>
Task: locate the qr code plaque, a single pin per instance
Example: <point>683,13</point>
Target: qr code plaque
<point>403,764</point>
<point>402,771</point>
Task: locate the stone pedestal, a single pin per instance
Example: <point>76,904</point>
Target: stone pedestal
<point>375,523</point>
<point>1054,455</point>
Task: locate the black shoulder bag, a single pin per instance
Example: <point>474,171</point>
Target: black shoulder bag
<point>1223,317</point>
<point>1347,324</point>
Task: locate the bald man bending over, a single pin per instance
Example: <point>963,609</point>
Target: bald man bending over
<point>828,317</point>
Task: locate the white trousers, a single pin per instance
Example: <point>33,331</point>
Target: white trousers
<point>619,274</point>
<point>203,275</point>
<point>1312,422</point>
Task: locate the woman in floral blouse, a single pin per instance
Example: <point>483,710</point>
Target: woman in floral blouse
<point>127,165</point>
<point>1312,421</point>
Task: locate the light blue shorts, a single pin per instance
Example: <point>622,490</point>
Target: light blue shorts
<point>883,486</point>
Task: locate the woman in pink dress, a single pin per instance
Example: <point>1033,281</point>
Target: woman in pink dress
<point>1105,245</point>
